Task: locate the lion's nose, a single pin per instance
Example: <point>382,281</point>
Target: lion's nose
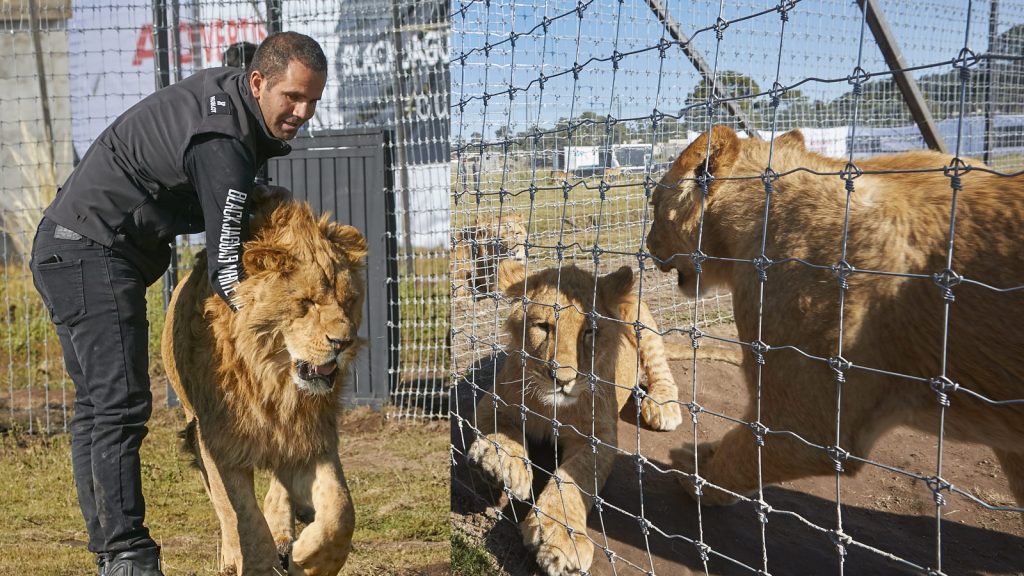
<point>563,376</point>
<point>339,344</point>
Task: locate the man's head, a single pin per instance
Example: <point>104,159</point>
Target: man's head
<point>287,77</point>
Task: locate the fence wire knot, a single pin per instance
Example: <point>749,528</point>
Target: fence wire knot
<point>698,258</point>
<point>943,386</point>
<point>641,460</point>
<point>839,365</point>
<point>837,455</point>
<point>956,168</point>
<point>695,336</point>
<point>638,393</point>
<point>776,94</point>
<point>616,58</point>
<point>663,46</point>
<point>720,25</point>
<point>759,349</point>
<point>937,484</point>
<point>946,280</point>
<point>761,264</point>
<point>763,510</point>
<point>784,7</point>
<point>645,526</point>
<point>966,58</point>
<point>704,550</point>
<point>603,187</point>
<point>649,185</point>
<point>759,431</point>
<point>698,485</point>
<point>842,270</point>
<point>857,78</point>
<point>841,540</point>
<point>704,180</point>
<point>768,178</point>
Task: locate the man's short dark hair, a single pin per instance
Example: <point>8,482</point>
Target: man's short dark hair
<point>239,54</point>
<point>274,53</point>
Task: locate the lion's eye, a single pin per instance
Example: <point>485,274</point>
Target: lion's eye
<point>543,327</point>
<point>588,335</point>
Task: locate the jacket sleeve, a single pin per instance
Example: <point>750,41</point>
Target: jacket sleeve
<point>221,170</point>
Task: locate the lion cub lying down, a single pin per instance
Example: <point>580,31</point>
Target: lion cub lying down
<point>563,350</point>
<point>260,388</point>
<point>899,223</point>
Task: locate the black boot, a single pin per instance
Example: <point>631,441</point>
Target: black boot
<point>145,562</point>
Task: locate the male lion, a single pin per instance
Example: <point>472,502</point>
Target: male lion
<point>898,223</point>
<point>562,350</point>
<point>260,389</point>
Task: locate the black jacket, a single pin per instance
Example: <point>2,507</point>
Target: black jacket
<point>132,191</point>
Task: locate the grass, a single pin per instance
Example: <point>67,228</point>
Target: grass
<point>397,473</point>
<point>469,559</point>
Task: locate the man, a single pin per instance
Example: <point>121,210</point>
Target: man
<point>180,161</point>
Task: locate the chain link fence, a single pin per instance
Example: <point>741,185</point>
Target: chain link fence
<point>69,67</point>
<point>565,116</point>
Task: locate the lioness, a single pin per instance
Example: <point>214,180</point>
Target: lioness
<point>561,351</point>
<point>479,248</point>
<point>260,389</point>
<point>898,223</point>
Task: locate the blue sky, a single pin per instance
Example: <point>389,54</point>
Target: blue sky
<point>820,39</point>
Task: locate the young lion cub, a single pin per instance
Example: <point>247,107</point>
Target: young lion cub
<point>560,351</point>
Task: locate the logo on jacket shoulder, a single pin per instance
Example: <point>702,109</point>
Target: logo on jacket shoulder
<point>219,104</point>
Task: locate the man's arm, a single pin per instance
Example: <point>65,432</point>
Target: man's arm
<point>221,171</point>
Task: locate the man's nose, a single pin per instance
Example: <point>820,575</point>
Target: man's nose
<point>304,110</point>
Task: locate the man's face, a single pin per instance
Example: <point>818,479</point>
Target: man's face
<point>289,101</point>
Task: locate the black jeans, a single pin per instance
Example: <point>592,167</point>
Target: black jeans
<point>97,300</point>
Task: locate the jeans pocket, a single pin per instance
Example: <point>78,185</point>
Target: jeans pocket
<point>64,289</point>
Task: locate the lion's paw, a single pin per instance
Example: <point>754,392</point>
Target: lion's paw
<point>558,554</point>
<point>682,460</point>
<point>664,416</point>
<point>502,468</point>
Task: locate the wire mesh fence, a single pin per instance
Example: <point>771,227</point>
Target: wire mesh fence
<point>69,67</point>
<point>566,115</point>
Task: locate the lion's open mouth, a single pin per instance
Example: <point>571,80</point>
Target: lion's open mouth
<point>308,372</point>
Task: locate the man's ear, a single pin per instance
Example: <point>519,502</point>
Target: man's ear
<point>257,82</point>
<point>512,278</point>
<point>718,149</point>
<point>792,139</point>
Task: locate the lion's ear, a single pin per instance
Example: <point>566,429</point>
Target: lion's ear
<point>615,286</point>
<point>792,139</point>
<point>351,240</point>
<point>719,157</point>
<point>263,258</point>
<point>512,278</point>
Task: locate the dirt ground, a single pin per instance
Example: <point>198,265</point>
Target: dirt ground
<point>881,509</point>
